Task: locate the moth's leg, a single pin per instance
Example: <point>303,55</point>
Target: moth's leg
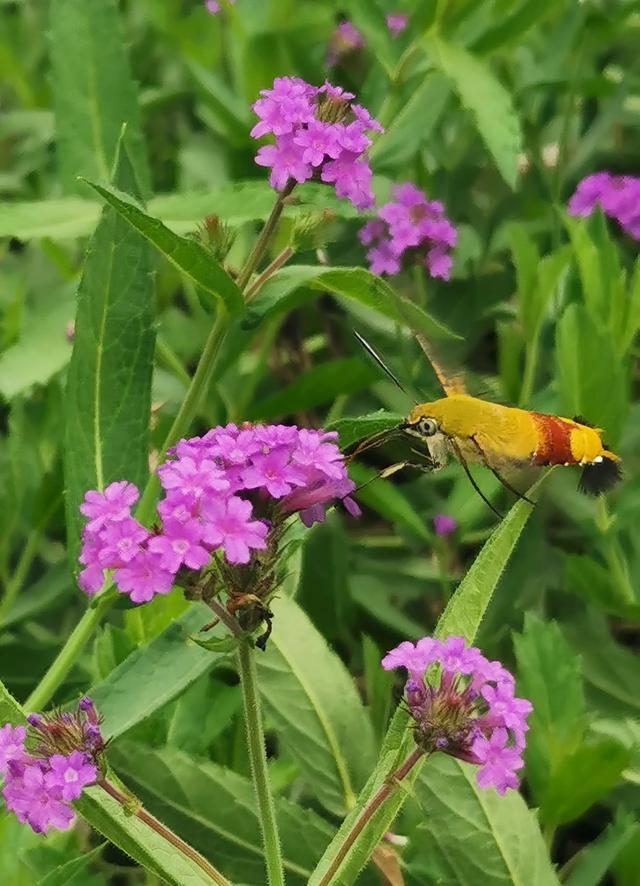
<point>464,464</point>
<point>497,475</point>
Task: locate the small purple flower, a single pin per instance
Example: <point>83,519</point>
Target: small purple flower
<point>498,761</point>
<point>228,525</point>
<point>346,39</point>
<point>65,750</point>
<point>410,225</point>
<point>70,774</point>
<point>28,796</point>
<point>464,705</point>
<point>274,472</point>
<point>11,745</point>
<point>318,134</point>
<point>144,577</point>
<point>109,507</point>
<point>396,23</point>
<point>120,542</point>
<point>180,544</point>
<point>192,478</point>
<point>444,525</point>
<point>617,195</point>
<point>213,6</point>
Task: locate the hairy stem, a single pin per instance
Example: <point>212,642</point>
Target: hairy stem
<point>268,272</point>
<point>388,786</point>
<point>266,234</point>
<point>164,832</point>
<point>258,761</point>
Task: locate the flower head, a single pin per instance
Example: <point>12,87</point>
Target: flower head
<point>617,195</point>
<point>318,133</point>
<point>345,40</point>
<point>444,525</point>
<point>410,226</point>
<point>226,494</point>
<point>48,763</point>
<point>396,23</point>
<point>464,705</point>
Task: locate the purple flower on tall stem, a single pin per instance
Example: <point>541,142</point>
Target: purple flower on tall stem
<point>318,134</point>
<point>464,705</point>
<point>226,494</point>
<point>444,525</point>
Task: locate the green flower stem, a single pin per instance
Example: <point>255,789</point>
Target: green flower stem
<point>69,653</point>
<point>17,580</point>
<point>258,761</point>
<point>164,832</point>
<point>266,234</point>
<point>390,784</point>
<point>268,272</point>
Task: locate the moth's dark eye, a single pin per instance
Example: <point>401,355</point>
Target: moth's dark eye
<point>427,427</point>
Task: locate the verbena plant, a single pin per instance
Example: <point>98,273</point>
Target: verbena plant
<point>204,596</point>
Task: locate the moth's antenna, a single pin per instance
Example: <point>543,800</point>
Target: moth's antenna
<point>378,359</point>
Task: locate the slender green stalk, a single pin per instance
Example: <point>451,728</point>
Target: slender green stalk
<point>164,832</point>
<point>390,784</point>
<point>265,236</point>
<point>258,761</point>
<point>17,580</point>
<point>67,656</point>
<point>170,360</point>
<point>269,271</point>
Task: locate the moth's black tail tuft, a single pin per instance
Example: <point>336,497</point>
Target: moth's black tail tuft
<point>581,420</point>
<point>598,478</point>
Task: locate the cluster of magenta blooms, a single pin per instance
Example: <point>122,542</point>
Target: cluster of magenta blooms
<point>47,764</point>
<point>222,491</point>
<point>319,133</point>
<point>410,225</point>
<point>617,195</point>
<point>464,705</point>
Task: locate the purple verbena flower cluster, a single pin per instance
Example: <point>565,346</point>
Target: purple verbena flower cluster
<point>214,486</point>
<point>410,224</point>
<point>617,195</point>
<point>319,133</point>
<point>396,23</point>
<point>464,705</point>
<point>345,40</point>
<point>47,765</point>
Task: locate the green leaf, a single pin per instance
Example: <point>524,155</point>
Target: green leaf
<point>550,272</point>
<point>294,285</point>
<point>109,383</point>
<point>515,25</point>
<point>594,860</point>
<point>186,254</point>
<point>10,710</point>
<point>42,350</point>
<point>313,703</point>
<point>549,676</point>
<point>71,872</point>
<point>319,385</point>
<point>138,840</point>
<point>94,93</point>
<point>469,835</point>
<point>488,101</point>
<point>583,778</point>
<point>600,396</point>
<point>351,430</point>
<point>412,127</point>
<point>462,616</point>
<point>154,674</point>
<point>215,810</point>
